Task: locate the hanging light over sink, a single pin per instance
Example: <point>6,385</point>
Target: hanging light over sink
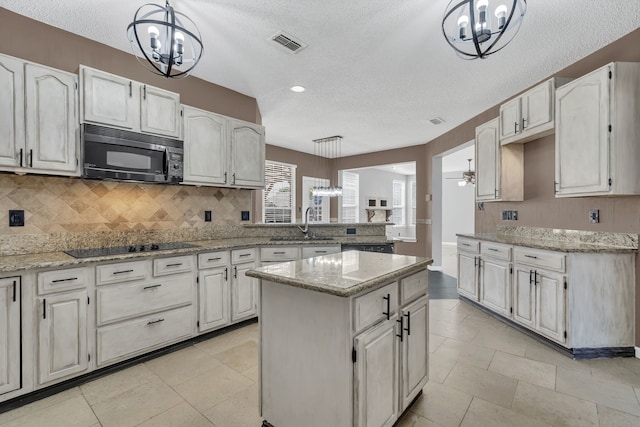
<point>326,149</point>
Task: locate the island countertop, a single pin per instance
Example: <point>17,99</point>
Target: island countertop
<point>343,274</point>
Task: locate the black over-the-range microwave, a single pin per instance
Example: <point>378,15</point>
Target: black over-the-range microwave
<point>122,155</point>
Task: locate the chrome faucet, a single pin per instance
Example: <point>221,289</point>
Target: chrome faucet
<point>305,230</point>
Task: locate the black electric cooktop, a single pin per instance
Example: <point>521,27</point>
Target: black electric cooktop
<point>119,250</point>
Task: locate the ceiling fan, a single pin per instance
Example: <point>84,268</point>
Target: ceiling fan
<point>468,177</point>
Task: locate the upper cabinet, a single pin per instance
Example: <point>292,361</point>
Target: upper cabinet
<point>499,169</point>
<point>222,151</point>
<point>112,100</point>
<point>39,129</point>
<point>597,133</point>
<point>530,115</point>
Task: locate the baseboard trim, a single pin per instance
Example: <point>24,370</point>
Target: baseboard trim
<point>434,267</point>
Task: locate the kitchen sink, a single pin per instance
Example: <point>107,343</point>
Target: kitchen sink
<point>296,239</point>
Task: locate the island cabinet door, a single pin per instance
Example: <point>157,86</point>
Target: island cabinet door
<point>524,296</point>
<point>214,299</point>
<point>376,375</point>
<point>414,350</point>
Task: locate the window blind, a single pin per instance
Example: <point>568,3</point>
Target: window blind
<point>278,201</point>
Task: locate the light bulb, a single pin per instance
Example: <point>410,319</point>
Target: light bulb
<point>153,31</point>
<point>482,8</point>
<point>482,4</point>
<point>462,24</point>
<point>501,14</point>
<point>179,45</point>
<point>153,36</point>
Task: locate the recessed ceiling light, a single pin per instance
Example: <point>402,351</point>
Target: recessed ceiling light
<point>297,89</point>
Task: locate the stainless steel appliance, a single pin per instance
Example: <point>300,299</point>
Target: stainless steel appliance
<point>129,156</point>
<point>118,250</point>
<point>385,248</point>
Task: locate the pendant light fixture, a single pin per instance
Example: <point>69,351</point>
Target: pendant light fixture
<point>479,28</point>
<point>326,149</point>
<point>166,42</point>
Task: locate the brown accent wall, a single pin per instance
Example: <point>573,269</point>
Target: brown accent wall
<point>34,41</point>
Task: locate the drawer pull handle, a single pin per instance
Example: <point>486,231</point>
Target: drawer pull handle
<point>70,279</point>
<point>277,253</point>
<point>177,264</point>
<point>530,256</point>
<point>152,286</point>
<point>321,252</point>
<point>215,259</point>
<point>401,321</point>
<point>123,272</point>
<point>244,255</point>
<point>492,249</point>
<point>388,312</point>
<point>153,322</point>
<point>465,244</point>
<point>408,328</point>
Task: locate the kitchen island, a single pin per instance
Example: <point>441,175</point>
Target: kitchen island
<point>343,339</point>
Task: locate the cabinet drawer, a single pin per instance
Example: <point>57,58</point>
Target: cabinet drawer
<point>468,245</point>
<point>239,256</point>
<point>127,339</point>
<point>124,301</point>
<point>538,258</point>
<point>413,286</point>
<point>62,280</point>
<point>280,253</point>
<point>373,307</point>
<point>173,265</point>
<point>213,259</point>
<point>496,250</point>
<point>122,272</point>
<point>311,251</point>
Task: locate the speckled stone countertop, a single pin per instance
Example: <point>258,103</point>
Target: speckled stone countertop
<point>574,246</point>
<point>58,259</point>
<point>343,274</point>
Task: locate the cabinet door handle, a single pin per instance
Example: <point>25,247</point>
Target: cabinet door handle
<point>408,328</point>
<point>530,274</point>
<point>153,322</point>
<point>555,187</point>
<point>515,127</point>
<point>523,122</point>
<point>388,312</point>
<point>535,277</point>
<point>530,256</point>
<point>475,261</point>
<point>144,92</point>
<point>152,287</point>
<point>122,272</point>
<point>225,177</point>
<point>233,177</point>
<point>177,264</point>
<point>130,89</point>
<point>235,272</point>
<point>401,321</point>
<point>14,291</point>
<point>44,308</point>
<point>226,274</point>
<point>21,154</point>
<point>31,158</point>
<point>70,279</point>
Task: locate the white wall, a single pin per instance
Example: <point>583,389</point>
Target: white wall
<point>458,207</point>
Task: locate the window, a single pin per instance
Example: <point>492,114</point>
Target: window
<point>412,220</point>
<point>350,197</point>
<point>399,197</point>
<point>278,201</point>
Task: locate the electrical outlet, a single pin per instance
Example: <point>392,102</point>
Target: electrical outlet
<point>16,218</point>
<point>351,231</point>
<point>480,206</point>
<point>594,216</point>
<point>509,215</point>
<point>244,216</point>
<point>207,216</point>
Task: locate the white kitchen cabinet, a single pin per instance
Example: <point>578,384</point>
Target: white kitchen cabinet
<point>244,293</point>
<point>495,277</point>
<point>115,101</point>
<point>313,251</point>
<point>550,305</point>
<point>530,115</point>
<point>524,297</point>
<point>215,298</point>
<point>468,276</point>
<point>247,151</point>
<point>597,130</point>
<point>62,338</point>
<point>39,119</point>
<point>499,169</point>
<point>205,147</point>
<point>10,332</point>
<point>376,380</point>
<point>414,350</point>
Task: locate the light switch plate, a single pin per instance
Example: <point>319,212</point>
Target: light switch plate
<point>594,216</point>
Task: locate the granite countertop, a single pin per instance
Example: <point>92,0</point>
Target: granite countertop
<point>16,263</point>
<point>550,244</point>
<point>343,274</point>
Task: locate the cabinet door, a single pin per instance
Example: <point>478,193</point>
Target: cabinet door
<point>468,276</point>
<point>376,375</point>
<point>62,335</point>
<point>11,112</point>
<point>550,305</point>
<point>415,350</point>
<point>247,154</point>
<point>510,114</point>
<point>537,107</point>
<point>524,297</point>
<point>213,292</point>
<point>488,161</point>
<point>205,147</point>
<point>159,112</point>
<point>52,130</point>
<point>9,334</point>
<point>495,285</point>
<point>108,99</point>
<point>244,293</point>
<point>582,135</point>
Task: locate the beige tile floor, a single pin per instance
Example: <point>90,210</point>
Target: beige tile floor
<point>482,373</point>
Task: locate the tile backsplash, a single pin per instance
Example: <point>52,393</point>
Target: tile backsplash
<point>72,205</point>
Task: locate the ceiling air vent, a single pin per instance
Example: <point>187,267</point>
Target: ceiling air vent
<point>437,121</point>
<point>288,42</point>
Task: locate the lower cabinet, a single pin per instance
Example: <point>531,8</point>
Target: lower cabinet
<point>62,336</point>
<point>214,297</point>
<point>495,285</point>
<point>468,256</point>
<point>244,293</point>
<point>414,350</point>
<point>10,325</point>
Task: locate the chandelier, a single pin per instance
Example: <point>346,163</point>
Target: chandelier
<point>471,30</point>
<point>166,42</point>
<point>327,148</point>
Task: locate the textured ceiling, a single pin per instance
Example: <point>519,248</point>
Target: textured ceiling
<point>375,71</point>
